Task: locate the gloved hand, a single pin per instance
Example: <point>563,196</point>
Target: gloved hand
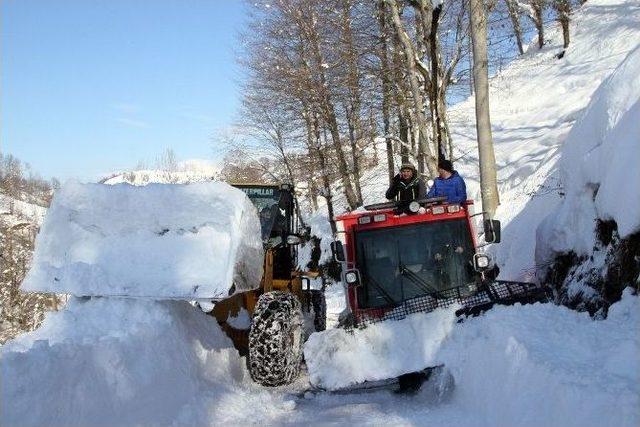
<point>396,179</point>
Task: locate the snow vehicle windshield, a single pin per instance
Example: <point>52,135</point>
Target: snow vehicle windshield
<point>400,263</point>
<point>267,202</point>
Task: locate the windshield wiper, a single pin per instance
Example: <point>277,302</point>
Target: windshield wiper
<point>417,280</point>
<point>379,287</point>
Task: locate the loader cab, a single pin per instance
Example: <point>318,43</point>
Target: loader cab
<point>278,222</point>
<point>275,206</point>
<point>393,259</point>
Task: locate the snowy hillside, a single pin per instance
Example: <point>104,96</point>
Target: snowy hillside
<point>598,222</point>
<point>16,211</point>
<point>113,361</point>
<point>534,104</point>
<point>193,170</point>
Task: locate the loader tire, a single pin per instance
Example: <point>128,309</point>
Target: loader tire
<point>319,304</point>
<point>275,339</point>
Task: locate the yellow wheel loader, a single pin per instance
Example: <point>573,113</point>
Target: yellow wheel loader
<point>268,324</point>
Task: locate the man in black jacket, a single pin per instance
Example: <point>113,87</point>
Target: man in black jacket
<point>407,185</point>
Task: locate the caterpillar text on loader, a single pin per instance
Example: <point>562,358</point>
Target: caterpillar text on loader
<point>403,259</point>
<point>266,324</point>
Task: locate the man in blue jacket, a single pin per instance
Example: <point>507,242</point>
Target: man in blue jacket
<point>449,183</point>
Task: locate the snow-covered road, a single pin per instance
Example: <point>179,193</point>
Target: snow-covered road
<point>136,362</point>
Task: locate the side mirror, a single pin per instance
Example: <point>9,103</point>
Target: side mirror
<point>492,231</point>
<point>338,251</point>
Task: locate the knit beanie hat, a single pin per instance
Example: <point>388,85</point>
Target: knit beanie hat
<point>408,166</point>
<point>446,165</point>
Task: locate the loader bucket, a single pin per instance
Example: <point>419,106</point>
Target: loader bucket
<point>166,241</point>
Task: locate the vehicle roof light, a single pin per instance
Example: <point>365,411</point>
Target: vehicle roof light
<point>437,210</point>
<point>364,220</point>
<point>379,217</point>
<point>453,208</point>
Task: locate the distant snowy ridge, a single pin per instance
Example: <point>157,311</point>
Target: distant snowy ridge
<point>187,171</point>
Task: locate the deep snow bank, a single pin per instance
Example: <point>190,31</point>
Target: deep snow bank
<point>162,241</point>
<point>589,264</point>
<point>599,167</point>
<point>531,365</point>
<point>338,358</point>
<point>115,362</point>
<point>548,365</point>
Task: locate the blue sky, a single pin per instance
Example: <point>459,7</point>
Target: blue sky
<point>93,86</point>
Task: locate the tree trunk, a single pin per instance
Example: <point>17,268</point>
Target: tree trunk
<point>355,153</point>
<point>403,131</point>
<point>434,98</point>
<point>313,189</point>
<point>538,10</point>
<point>353,84</point>
<point>418,102</point>
<point>488,180</point>
<point>386,86</point>
<point>330,120</point>
<point>563,11</point>
<point>316,152</point>
<point>514,14</point>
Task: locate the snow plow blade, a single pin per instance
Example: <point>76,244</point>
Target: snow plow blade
<point>436,382</point>
<point>473,299</point>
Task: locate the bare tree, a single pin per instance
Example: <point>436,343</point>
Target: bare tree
<point>20,311</point>
<point>328,77</point>
<point>534,9</point>
<point>385,76</point>
<point>563,13</point>
<point>514,14</point>
<point>415,66</point>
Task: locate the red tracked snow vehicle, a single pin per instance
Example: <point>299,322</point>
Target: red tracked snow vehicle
<point>399,260</point>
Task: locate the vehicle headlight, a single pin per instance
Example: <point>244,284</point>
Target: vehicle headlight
<point>351,277</point>
<point>481,261</point>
